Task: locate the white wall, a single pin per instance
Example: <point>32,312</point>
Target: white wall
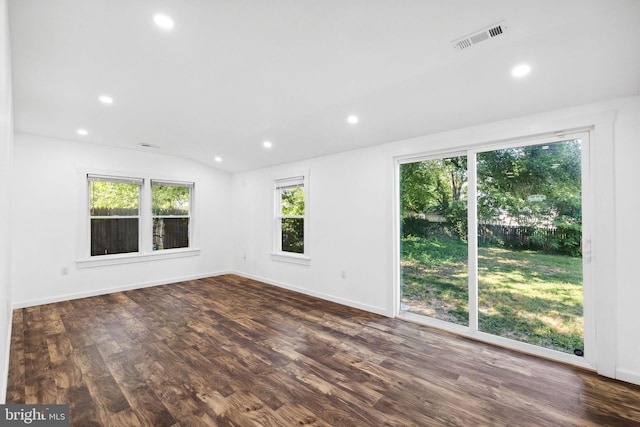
<point>352,221</point>
<point>46,211</point>
<point>350,229</point>
<point>6,156</point>
<point>627,172</point>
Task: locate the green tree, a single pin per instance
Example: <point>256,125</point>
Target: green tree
<point>113,198</point>
<point>170,199</point>
<point>436,186</point>
<point>510,180</point>
<point>292,201</point>
<point>536,186</point>
<point>292,223</point>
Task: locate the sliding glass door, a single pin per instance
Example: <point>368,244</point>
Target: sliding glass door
<point>434,246</point>
<point>491,239</point>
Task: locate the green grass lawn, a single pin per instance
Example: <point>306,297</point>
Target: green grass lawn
<point>523,295</point>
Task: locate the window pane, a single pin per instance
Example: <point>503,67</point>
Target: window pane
<point>292,201</point>
<point>170,233</point>
<point>292,235</point>
<point>529,234</point>
<point>113,198</point>
<point>434,249</point>
<point>114,236</point>
<point>170,200</point>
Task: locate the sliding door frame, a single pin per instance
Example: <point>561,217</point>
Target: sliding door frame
<point>589,292</point>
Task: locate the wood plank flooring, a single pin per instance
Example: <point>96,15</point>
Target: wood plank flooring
<point>228,351</point>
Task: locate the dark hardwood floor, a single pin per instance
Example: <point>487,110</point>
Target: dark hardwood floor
<point>230,351</point>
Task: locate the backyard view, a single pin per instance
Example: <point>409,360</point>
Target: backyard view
<point>115,215</point>
<point>529,232</point>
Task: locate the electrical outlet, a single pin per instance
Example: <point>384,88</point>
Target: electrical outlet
<point>343,274</point>
<point>64,271</point>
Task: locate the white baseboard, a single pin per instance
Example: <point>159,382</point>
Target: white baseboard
<point>131,286</point>
<point>628,376</point>
<point>321,295</point>
<point>128,287</point>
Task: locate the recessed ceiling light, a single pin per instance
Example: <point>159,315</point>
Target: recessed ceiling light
<point>217,159</point>
<point>163,21</point>
<point>105,99</point>
<point>82,132</point>
<point>267,144</point>
<point>353,119</point>
<point>520,70</point>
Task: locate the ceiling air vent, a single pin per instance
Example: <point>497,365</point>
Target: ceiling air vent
<point>147,145</point>
<point>480,36</point>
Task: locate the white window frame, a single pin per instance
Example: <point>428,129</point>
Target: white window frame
<point>190,186</point>
<point>145,244</point>
<point>117,180</point>
<point>280,183</point>
<point>592,348</point>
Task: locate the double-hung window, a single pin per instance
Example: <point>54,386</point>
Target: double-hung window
<point>291,218</point>
<point>171,209</point>
<point>135,218</point>
<point>114,211</point>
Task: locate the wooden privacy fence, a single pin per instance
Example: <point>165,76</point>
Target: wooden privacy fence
<point>524,237</point>
<point>561,240</point>
<point>114,236</point>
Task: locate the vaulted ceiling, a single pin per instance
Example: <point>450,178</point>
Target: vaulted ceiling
<point>231,74</point>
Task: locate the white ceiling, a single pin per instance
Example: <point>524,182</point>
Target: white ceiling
<point>234,73</point>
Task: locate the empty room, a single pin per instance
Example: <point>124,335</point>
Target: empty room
<point>328,213</point>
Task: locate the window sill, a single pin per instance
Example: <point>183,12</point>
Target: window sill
<point>103,260</point>
<point>291,258</point>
